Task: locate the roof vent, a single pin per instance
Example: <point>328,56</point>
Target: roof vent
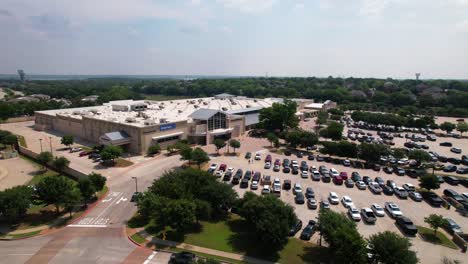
<point>130,120</point>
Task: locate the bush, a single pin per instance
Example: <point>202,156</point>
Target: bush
<point>154,149</point>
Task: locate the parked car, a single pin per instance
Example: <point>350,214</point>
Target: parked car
<point>400,171</point>
<point>347,202</point>
<point>451,180</point>
<point>409,187</point>
<point>462,170</point>
<point>248,155</point>
<point>393,209</point>
<point>454,195</point>
<point>387,190</point>
<point>368,215</point>
<point>136,196</point>
<point>297,188</point>
<point>354,214</point>
<point>266,189</point>
<point>268,158</point>
<point>355,176</point>
<point>267,165</point>
<point>304,174</point>
<point>349,183</point>
<point>309,230</point>
<point>338,180</point>
<point>452,227</point>
<point>258,156</point>
<point>375,188</point>
<point>388,170</point>
<point>333,198</point>
<point>311,203</point>
<point>248,175</point>
<point>315,175</point>
<point>380,181</point>
<point>417,197</point>
<point>254,185</point>
<point>450,168</point>
<point>310,157</point>
<point>406,225</point>
<point>256,176</point>
<point>326,178</point>
<point>378,210</point>
<point>244,183</point>
<point>445,144</point>
<point>400,192</point>
<point>295,228</point>
<point>182,258</point>
<point>376,167</point>
<point>361,185</point>
<point>299,198</point>
<point>432,198</point>
<point>325,204</point>
<point>456,150</point>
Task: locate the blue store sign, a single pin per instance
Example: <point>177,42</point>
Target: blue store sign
<point>167,127</point>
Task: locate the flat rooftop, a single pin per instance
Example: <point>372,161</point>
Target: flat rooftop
<point>162,111</point>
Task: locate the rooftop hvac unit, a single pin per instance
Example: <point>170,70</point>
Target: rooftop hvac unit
<point>130,120</point>
<point>163,120</point>
<point>180,111</point>
<point>94,111</point>
<point>149,122</point>
<point>196,106</point>
<point>161,107</point>
<point>205,103</point>
<point>255,100</point>
<point>248,106</point>
<point>77,112</point>
<point>224,108</point>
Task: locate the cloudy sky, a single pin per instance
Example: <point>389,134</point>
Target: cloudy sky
<point>361,38</point>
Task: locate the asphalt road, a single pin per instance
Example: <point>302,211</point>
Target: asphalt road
<point>99,237</point>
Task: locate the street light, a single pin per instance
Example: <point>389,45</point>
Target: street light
<point>50,142</point>
<point>136,183</point>
<point>40,141</point>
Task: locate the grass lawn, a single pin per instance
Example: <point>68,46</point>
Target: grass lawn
<point>440,238</point>
<point>137,238</point>
<point>234,235</point>
<point>30,234</point>
<point>22,141</point>
<point>42,175</point>
<point>122,162</point>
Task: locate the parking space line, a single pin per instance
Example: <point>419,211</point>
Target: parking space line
<point>150,257</point>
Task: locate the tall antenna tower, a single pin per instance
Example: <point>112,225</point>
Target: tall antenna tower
<point>417,76</point>
<point>22,75</point>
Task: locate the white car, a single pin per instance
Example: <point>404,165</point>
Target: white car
<point>297,188</point>
<point>75,149</point>
<point>277,189</point>
<point>347,202</point>
<point>465,195</point>
<point>334,173</point>
<point>403,161</point>
<point>361,185</point>
<point>219,174</point>
<point>267,165</point>
<point>304,174</point>
<point>354,214</point>
<point>258,156</point>
<point>294,162</point>
<point>230,170</point>
<point>213,167</point>
<point>266,189</point>
<point>333,198</point>
<point>276,181</point>
<point>378,210</point>
<point>316,175</point>
<point>409,187</point>
<point>393,209</point>
<point>254,185</point>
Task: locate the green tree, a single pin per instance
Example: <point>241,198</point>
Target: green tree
<point>372,152</point>
<point>429,182</point>
<point>235,144</point>
<point>279,116</point>
<point>435,221</point>
<point>154,149</point>
<point>199,156</point>
<point>219,144</point>
<point>334,131</point>
<point>399,153</point>
<point>171,149</point>
<point>71,200</point>
<point>186,153</point>
<point>14,202</point>
<point>419,155</point>
<point>270,217</point>
<point>97,180</point>
<point>462,127</point>
<point>322,118</point>
<point>276,143</point>
<point>55,190</point>
<point>43,158</point>
<point>271,137</point>
<point>447,126</point>
<point>308,139</point>
<point>67,140</point>
<point>341,148</point>
<point>390,248</point>
<point>341,234</point>
<point>60,163</point>
<point>293,138</point>
<point>111,152</point>
<point>10,140</point>
<point>87,189</point>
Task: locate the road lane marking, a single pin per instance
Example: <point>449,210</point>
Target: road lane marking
<point>123,199</point>
<point>25,254</point>
<point>87,225</point>
<point>99,221</point>
<point>109,206</point>
<point>150,257</point>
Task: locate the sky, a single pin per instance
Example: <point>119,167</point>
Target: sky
<point>346,38</point>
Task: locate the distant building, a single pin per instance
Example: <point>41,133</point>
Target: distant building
<point>42,97</point>
<point>314,108</point>
<point>22,75</point>
<point>90,98</point>
<point>24,99</point>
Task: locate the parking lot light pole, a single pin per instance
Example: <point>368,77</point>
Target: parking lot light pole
<point>40,141</point>
<point>136,183</point>
<point>50,142</point>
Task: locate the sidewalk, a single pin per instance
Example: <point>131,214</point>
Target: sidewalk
<point>209,251</point>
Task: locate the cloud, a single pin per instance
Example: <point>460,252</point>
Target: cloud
<point>373,8</point>
<point>248,6</point>
<point>52,25</point>
<point>226,30</point>
<point>5,13</point>
<point>462,26</point>
<point>299,6</point>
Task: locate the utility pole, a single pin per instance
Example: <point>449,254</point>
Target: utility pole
<point>50,142</point>
<point>136,183</point>
<point>40,141</point>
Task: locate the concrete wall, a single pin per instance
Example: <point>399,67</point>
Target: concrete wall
<point>154,131</point>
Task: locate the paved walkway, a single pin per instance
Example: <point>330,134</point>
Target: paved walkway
<point>204,250</point>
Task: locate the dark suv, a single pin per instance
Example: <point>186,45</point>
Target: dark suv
<point>295,228</point>
<point>433,199</point>
<point>406,225</point>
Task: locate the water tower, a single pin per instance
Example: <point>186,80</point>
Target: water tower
<point>22,75</point>
<point>417,76</point>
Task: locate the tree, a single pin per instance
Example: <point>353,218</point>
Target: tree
<point>71,199</point>
<point>399,153</point>
<point>372,152</point>
<point>199,156</point>
<point>67,140</point>
<point>97,180</point>
<point>462,127</point>
<point>334,131</point>
<point>60,163</point>
<point>279,116</point>
<point>429,182</point>
<point>293,138</point>
<point>185,152</point>
<point>111,152</point>
<point>419,155</point>
<point>341,148</point>
<point>55,190</point>
<point>308,139</point>
<point>219,144</point>
<point>154,149</point>
<point>322,118</point>
<point>87,189</point>
<point>10,140</point>
<point>435,221</point>
<point>341,234</point>
<point>388,247</point>
<point>271,137</point>
<point>14,202</point>
<point>44,158</point>
<point>269,216</point>
<point>235,144</point>
<point>276,143</point>
<point>447,126</point>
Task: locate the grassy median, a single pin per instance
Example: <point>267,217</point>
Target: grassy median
<point>439,238</point>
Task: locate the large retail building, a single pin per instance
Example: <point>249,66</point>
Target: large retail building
<point>136,125</point>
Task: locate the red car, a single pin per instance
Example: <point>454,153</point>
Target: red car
<point>222,167</point>
<point>278,162</point>
<point>338,180</point>
<point>268,158</point>
<point>84,153</point>
<point>344,175</point>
